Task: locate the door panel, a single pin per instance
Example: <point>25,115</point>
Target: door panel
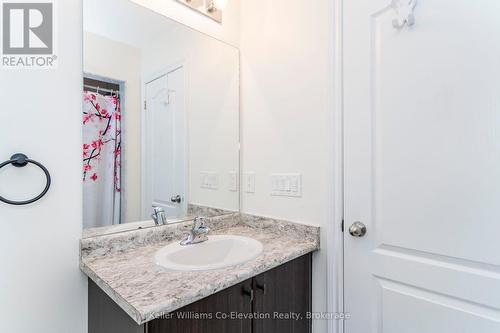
<point>422,154</point>
<point>414,310</point>
<point>434,141</point>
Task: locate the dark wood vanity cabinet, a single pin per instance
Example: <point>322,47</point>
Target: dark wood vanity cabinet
<point>276,301</point>
<point>211,310</point>
<point>284,291</point>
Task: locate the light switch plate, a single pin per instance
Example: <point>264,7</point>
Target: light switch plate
<point>287,185</point>
<point>209,180</point>
<point>249,182</point>
<point>233,181</point>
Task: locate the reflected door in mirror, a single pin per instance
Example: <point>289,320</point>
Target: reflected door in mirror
<point>165,153</point>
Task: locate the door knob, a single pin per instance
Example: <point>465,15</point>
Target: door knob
<point>357,229</point>
<point>177,199</point>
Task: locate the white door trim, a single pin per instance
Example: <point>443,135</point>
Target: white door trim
<point>335,243</point>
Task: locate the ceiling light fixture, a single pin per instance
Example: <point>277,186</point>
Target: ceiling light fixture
<point>210,8</point>
<point>217,4</point>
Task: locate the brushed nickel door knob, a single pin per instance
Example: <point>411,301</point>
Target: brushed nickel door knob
<point>357,229</point>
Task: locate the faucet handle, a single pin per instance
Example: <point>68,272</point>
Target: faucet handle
<point>157,209</point>
<point>199,232</point>
<point>199,225</point>
<point>159,215</point>
<point>199,222</point>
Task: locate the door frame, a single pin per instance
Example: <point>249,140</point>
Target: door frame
<point>335,247</point>
<point>146,79</point>
<point>335,234</point>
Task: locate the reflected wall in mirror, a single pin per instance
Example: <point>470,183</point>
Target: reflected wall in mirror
<point>160,119</point>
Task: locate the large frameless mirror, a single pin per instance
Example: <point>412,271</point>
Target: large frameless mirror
<point>160,120</point>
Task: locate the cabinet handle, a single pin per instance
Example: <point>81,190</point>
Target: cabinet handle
<point>248,292</point>
<point>262,287</point>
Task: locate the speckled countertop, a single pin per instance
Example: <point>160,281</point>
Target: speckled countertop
<point>123,264</point>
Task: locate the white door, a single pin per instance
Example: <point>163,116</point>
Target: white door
<point>165,149</point>
<point>422,167</point>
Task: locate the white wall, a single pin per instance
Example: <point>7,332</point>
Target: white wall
<point>287,75</point>
<point>228,31</point>
<point>287,115</point>
<point>100,58</point>
<point>41,287</point>
<point>212,69</point>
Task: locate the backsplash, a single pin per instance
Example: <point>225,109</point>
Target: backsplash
<point>198,210</point>
<point>121,242</point>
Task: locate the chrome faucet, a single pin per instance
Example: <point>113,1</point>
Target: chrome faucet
<point>159,216</point>
<point>198,234</point>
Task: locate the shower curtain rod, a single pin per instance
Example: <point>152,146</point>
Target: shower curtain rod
<point>101,89</point>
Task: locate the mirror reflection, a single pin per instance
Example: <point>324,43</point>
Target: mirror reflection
<point>160,120</point>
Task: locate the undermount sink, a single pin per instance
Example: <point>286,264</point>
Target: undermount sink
<point>216,253</point>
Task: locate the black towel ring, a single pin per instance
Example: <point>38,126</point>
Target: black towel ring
<point>19,161</point>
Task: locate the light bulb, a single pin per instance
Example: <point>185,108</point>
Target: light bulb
<point>220,4</point>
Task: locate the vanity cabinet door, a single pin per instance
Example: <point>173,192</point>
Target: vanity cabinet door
<point>283,291</point>
<point>218,309</point>
<point>105,316</point>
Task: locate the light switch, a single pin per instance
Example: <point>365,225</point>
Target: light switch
<point>209,180</point>
<point>233,181</point>
<point>249,182</point>
<point>288,185</point>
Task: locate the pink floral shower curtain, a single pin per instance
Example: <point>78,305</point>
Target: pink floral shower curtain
<point>101,160</point>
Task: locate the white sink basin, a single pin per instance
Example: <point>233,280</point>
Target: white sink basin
<point>216,253</point>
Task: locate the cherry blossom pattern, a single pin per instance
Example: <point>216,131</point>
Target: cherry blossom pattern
<point>103,113</point>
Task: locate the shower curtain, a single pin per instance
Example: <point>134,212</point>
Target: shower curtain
<point>101,160</point>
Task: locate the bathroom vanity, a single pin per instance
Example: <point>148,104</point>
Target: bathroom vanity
<point>276,301</point>
<point>130,292</point>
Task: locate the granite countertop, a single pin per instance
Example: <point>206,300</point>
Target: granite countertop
<point>122,265</point>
